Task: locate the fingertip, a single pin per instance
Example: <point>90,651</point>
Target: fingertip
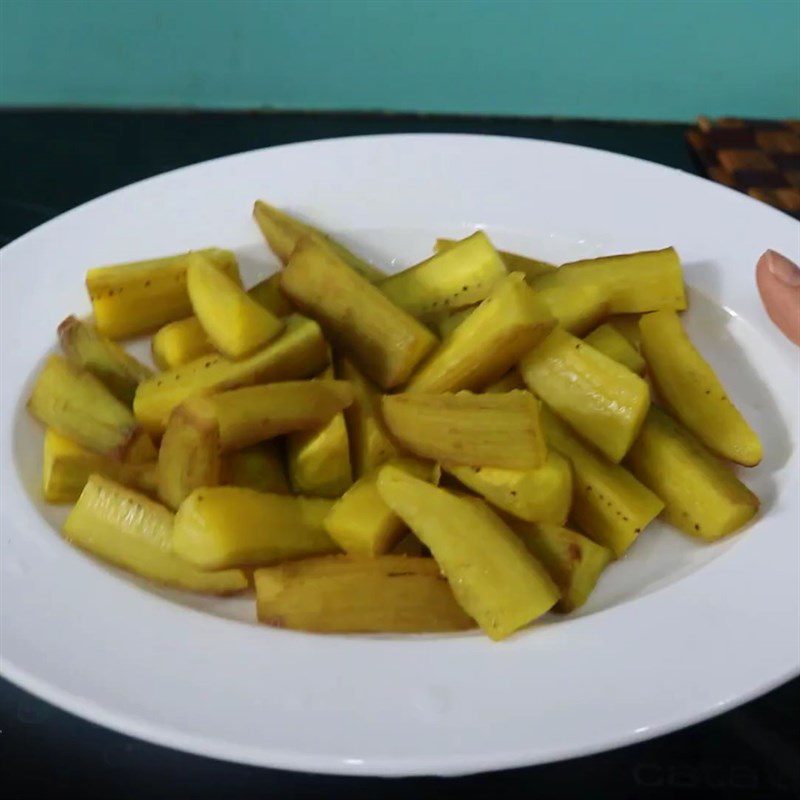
<point>781,298</point>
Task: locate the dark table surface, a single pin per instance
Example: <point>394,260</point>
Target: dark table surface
<point>52,161</point>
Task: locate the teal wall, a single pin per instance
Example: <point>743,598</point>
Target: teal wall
<point>634,59</point>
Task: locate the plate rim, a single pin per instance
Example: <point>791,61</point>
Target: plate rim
<point>448,767</point>
<point>373,136</point>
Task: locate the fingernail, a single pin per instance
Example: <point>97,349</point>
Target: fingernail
<point>784,270</point>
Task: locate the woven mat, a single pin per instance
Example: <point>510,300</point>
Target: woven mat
<point>759,158</point>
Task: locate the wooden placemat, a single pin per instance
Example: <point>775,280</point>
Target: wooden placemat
<point>757,157</point>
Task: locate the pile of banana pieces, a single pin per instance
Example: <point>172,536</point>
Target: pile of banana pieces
<point>468,442</point>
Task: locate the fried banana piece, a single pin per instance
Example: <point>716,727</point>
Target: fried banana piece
<point>189,456</point>
<point>90,350</point>
<point>386,342</point>
<point>604,401</point>
<point>66,467</point>
<point>300,352</point>
<point>529,267</point>
<point>77,405</point>
<point>489,342</point>
<point>283,232</point>
<point>609,341</point>
<point>574,561</point>
<point>480,430</point>
<point>226,526</point>
<point>494,577</point>
<point>578,309</point>
<point>459,276</point>
<point>702,496</point>
<point>609,504</point>
<point>235,323</point>
<point>445,324</point>
<point>257,413</point>
<point>179,342</point>
<point>628,326</point>
<point>131,531</point>
<point>318,459</point>
<point>269,295</point>
<point>361,523</point>
<point>338,594</point>
<point>690,388</point>
<point>135,298</point>
<point>651,280</point>
<point>543,494</point>
<point>370,443</point>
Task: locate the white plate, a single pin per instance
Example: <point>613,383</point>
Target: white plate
<point>675,632</point>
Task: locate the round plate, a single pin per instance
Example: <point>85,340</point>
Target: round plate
<point>676,631</point>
